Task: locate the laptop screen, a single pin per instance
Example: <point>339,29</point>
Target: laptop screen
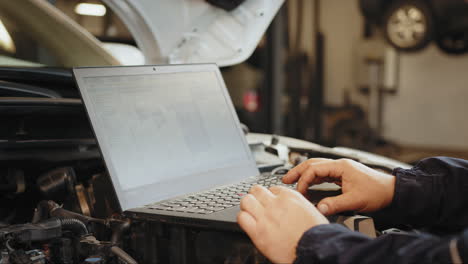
<point>165,133</point>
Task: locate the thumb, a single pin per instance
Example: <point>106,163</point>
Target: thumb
<point>337,204</point>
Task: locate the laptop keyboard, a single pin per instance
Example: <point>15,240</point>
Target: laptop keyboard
<point>217,199</point>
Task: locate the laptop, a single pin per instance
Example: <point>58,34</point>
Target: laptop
<point>171,142</point>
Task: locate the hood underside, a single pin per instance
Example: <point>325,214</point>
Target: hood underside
<point>195,31</point>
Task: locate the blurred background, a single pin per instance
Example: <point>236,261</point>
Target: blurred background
<point>383,76</point>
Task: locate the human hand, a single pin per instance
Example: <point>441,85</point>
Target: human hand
<point>276,219</point>
<point>364,189</point>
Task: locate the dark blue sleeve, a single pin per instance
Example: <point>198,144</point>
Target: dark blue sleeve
<point>433,194</point>
<point>334,243</point>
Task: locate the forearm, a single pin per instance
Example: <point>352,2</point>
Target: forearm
<point>432,194</point>
<point>336,244</point>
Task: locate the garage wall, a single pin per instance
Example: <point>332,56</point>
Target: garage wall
<point>431,107</point>
<point>342,24</point>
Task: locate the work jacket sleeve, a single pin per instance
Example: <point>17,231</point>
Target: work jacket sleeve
<point>333,243</point>
<point>433,195</point>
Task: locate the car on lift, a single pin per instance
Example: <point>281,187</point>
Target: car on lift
<point>410,25</point>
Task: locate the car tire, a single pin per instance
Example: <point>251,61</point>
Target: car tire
<point>408,25</point>
<point>453,42</point>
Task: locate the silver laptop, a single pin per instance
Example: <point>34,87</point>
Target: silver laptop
<point>171,142</point>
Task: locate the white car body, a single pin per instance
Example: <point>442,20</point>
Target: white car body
<point>194,31</point>
<point>166,31</point>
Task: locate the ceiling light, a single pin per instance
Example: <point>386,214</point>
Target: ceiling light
<point>6,42</point>
<point>87,9</point>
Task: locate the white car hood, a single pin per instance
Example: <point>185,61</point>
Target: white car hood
<point>194,31</point>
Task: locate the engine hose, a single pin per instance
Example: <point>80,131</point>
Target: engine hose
<point>123,256</point>
<point>10,248</point>
<point>74,224</point>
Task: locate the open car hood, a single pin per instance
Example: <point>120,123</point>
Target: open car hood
<point>195,31</point>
